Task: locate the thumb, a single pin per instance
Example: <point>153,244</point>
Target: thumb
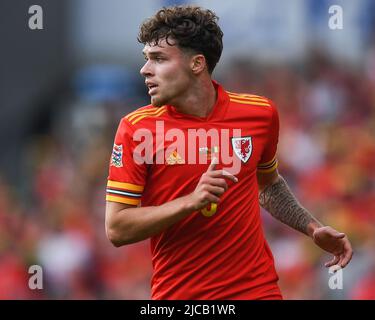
<point>339,235</point>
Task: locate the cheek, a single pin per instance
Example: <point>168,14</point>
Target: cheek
<point>175,72</point>
<point>179,79</point>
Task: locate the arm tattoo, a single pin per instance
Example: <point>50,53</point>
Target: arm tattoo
<point>280,202</point>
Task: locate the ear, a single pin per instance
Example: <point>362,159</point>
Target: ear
<point>198,63</point>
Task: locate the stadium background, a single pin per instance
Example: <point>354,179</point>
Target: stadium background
<point>64,88</point>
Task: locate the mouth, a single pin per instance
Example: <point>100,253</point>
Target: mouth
<point>152,87</point>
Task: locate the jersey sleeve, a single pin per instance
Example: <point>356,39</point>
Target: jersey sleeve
<point>268,161</point>
<point>126,178</point>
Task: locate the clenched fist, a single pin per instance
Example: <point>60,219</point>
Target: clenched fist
<point>211,186</point>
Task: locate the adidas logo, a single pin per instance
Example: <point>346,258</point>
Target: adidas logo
<point>175,158</point>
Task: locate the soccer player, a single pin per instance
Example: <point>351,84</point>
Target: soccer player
<point>202,215</point>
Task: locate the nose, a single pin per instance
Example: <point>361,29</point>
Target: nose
<point>146,70</point>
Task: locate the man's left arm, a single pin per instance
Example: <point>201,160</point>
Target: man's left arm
<point>276,197</point>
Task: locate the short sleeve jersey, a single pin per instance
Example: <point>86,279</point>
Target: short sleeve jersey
<point>159,154</point>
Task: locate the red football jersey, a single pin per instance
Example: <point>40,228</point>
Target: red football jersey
<point>219,252</point>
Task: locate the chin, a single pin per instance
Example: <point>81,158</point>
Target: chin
<point>157,102</point>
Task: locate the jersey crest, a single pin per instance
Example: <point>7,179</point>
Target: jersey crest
<point>243,148</point>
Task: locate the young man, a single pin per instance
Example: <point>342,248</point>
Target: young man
<point>201,214</point>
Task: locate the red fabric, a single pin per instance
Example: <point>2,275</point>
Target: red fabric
<point>224,256</point>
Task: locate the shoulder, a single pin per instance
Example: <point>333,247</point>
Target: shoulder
<point>149,112</point>
<point>248,99</point>
<point>251,104</point>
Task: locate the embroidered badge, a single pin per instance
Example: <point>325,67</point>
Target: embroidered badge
<point>175,158</point>
<point>116,158</point>
<point>243,148</point>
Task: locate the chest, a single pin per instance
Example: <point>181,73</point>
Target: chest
<point>183,151</point>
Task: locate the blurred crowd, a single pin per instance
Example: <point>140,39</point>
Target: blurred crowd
<point>55,216</point>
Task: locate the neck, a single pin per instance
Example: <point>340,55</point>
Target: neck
<point>198,100</point>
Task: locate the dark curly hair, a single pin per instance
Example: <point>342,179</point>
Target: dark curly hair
<point>193,28</point>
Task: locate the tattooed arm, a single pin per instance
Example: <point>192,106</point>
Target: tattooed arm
<point>276,197</point>
<point>280,202</point>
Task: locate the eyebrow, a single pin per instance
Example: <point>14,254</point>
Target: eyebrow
<point>153,53</point>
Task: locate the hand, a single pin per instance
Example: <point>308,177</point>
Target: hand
<point>211,186</point>
<point>334,242</point>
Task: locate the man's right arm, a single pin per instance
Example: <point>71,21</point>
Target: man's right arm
<point>126,224</point>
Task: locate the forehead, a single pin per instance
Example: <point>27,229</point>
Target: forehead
<point>161,47</point>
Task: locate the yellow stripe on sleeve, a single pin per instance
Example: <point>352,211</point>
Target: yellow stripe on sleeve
<point>250,102</point>
<point>156,114</point>
<point>267,163</point>
<point>134,202</point>
<point>248,98</point>
<point>139,112</point>
<point>148,112</point>
<point>273,168</point>
<point>124,185</point>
